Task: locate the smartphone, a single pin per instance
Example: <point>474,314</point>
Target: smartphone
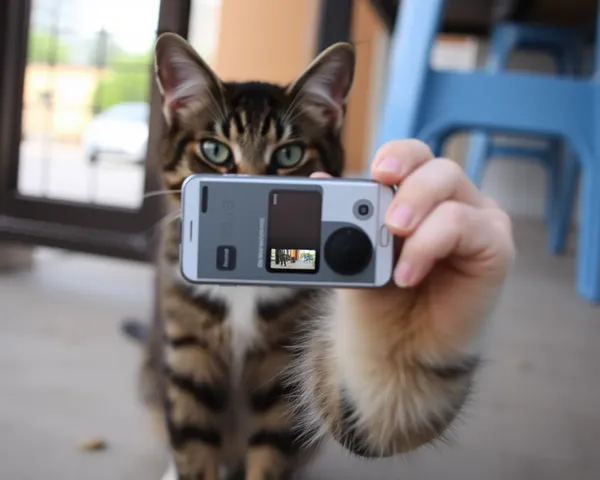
<point>267,230</point>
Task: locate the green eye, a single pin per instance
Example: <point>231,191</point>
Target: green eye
<point>215,152</point>
<point>288,156</point>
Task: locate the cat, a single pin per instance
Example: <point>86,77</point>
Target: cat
<point>247,381</point>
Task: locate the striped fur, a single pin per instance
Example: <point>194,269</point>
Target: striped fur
<point>247,380</point>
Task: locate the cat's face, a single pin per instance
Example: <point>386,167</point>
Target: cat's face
<point>253,128</point>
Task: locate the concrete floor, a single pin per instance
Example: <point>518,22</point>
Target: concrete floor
<point>67,375</point>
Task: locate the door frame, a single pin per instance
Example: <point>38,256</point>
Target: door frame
<point>69,225</point>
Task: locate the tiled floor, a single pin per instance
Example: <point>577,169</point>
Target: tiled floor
<point>67,375</point>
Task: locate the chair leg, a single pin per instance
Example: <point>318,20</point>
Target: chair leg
<point>417,24</point>
<point>562,215</point>
<point>477,156</point>
<point>588,256</point>
<point>553,161</point>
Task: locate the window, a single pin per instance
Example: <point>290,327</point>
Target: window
<point>85,105</point>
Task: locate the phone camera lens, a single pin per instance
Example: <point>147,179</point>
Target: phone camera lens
<point>363,209</point>
<point>348,251</point>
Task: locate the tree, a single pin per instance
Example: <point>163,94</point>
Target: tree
<point>46,47</point>
<point>127,80</point>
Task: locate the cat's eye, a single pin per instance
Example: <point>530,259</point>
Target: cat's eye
<point>288,156</point>
<point>216,152</point>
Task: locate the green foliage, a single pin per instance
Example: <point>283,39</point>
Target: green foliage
<point>45,47</point>
<point>127,80</point>
<point>122,86</point>
<point>128,74</point>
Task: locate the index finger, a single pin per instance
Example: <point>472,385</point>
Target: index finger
<point>320,175</point>
<point>395,160</point>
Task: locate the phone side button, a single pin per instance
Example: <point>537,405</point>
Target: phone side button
<point>384,236</point>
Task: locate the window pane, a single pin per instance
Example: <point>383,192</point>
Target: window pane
<point>87,84</point>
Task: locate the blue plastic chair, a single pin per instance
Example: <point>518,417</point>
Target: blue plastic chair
<point>565,47</point>
<point>430,105</point>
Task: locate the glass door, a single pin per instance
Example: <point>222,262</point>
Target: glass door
<point>80,122</point>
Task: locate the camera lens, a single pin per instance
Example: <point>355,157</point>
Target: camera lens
<point>348,251</point>
<point>363,209</point>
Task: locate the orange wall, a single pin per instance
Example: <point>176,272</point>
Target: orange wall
<point>270,40</point>
<point>366,32</point>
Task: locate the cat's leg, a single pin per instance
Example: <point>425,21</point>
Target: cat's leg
<point>274,444</point>
<point>195,385</point>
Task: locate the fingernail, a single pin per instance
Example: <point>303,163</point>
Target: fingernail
<point>389,165</point>
<point>401,217</point>
<point>403,275</point>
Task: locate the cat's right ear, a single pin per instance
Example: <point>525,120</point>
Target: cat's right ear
<point>184,79</point>
<point>323,88</point>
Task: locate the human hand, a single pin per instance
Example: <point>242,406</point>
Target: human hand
<point>457,244</point>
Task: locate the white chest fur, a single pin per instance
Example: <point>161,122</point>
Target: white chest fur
<point>242,319</point>
<point>241,303</point>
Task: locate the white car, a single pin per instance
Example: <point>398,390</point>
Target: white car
<point>120,131</point>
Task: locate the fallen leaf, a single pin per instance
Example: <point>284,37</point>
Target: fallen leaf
<point>93,445</point>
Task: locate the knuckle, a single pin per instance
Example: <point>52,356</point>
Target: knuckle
<point>505,252</point>
<point>498,215</point>
<point>450,168</point>
<point>417,247</point>
<point>504,220</point>
<point>505,235</point>
<point>489,202</point>
<point>500,237</point>
<point>454,214</point>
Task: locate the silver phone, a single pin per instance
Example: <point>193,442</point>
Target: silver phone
<point>266,230</point>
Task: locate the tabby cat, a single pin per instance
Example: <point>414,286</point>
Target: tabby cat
<point>247,380</point>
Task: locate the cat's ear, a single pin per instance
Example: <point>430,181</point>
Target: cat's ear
<point>184,79</point>
<point>324,86</point>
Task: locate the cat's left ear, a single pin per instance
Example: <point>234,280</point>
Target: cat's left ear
<point>324,86</point>
<point>185,80</point>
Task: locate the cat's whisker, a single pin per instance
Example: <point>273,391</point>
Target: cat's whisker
<point>293,118</point>
<point>291,108</point>
<point>155,193</point>
<point>298,111</point>
<point>290,114</point>
<point>216,113</point>
<point>166,220</point>
<point>221,113</point>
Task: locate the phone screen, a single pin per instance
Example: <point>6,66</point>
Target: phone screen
<point>294,231</point>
